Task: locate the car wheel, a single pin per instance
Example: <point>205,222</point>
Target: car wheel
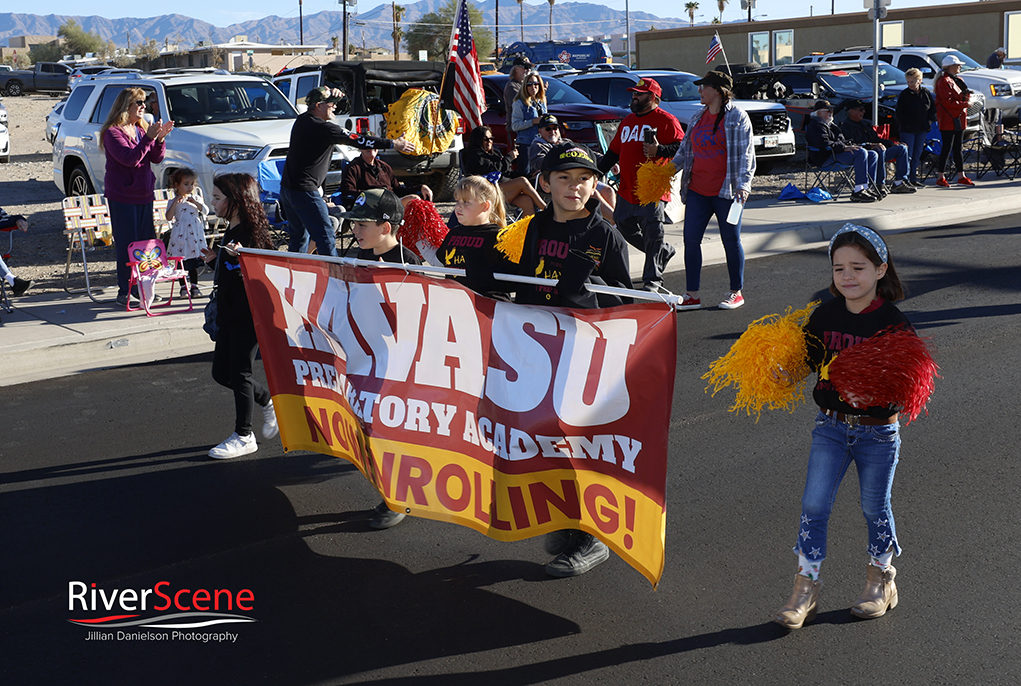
<point>443,189</point>
<point>14,89</point>
<point>5,159</point>
<point>78,183</point>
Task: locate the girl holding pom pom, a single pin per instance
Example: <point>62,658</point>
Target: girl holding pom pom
<point>847,429</point>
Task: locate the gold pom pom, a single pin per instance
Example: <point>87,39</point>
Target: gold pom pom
<point>767,364</point>
<point>653,180</point>
<point>511,240</point>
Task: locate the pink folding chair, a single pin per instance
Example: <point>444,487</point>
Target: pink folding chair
<point>151,265</point>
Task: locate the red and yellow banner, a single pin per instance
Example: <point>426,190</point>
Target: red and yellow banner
<point>509,419</point>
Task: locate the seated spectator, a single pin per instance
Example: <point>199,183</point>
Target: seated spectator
<point>825,142</point>
<point>9,221</point>
<point>995,60</point>
<point>480,159</point>
<point>859,131</point>
<point>549,136</point>
<point>368,171</point>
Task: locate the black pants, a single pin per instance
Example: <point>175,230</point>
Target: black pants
<point>951,139</point>
<point>233,359</point>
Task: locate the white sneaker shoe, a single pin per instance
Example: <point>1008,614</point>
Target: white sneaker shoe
<point>269,416</point>
<point>235,446</point>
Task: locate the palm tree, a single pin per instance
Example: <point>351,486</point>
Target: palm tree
<point>398,32</point>
<point>691,8</point>
<point>551,20</point>
<point>521,6</point>
<point>721,4</point>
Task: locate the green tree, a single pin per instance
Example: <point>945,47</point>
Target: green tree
<point>398,32</point>
<point>722,4</point>
<point>691,8</point>
<point>78,41</point>
<point>50,52</point>
<point>432,33</point>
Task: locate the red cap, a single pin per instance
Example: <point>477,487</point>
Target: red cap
<point>647,86</point>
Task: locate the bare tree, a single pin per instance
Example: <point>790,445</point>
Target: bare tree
<point>521,7</point>
<point>551,20</point>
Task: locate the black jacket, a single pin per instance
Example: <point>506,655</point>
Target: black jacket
<point>826,140</point>
<point>478,162</point>
<point>916,110</point>
<point>863,133</point>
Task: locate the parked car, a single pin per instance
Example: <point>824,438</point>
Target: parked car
<point>555,69</point>
<point>772,132</point>
<point>799,86</point>
<point>78,74</point>
<point>43,76</point>
<point>53,121</point>
<point>371,87</point>
<point>1000,88</point>
<point>3,114</point>
<point>580,119</point>
<point>222,123</point>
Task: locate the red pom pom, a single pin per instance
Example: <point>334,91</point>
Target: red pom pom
<point>892,368</point>
<point>422,224</point>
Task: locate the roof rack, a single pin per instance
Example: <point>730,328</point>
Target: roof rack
<point>189,70</point>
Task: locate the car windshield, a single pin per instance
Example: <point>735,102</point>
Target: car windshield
<point>558,93</point>
<point>889,76</point>
<point>969,63</point>
<point>218,102</point>
<point>678,87</point>
<point>855,84</point>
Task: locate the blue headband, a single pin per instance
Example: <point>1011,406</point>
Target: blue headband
<point>866,233</point>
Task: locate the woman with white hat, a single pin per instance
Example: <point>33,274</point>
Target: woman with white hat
<point>952,118</point>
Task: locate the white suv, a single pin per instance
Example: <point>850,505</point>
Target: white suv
<point>1000,87</point>
<point>223,122</point>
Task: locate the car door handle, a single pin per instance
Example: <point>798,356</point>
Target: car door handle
<point>86,138</point>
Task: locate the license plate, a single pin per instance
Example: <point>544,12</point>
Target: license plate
<point>771,141</point>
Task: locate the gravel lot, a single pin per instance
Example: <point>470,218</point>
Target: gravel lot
<point>26,187</point>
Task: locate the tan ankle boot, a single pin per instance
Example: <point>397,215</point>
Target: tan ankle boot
<point>803,603</point>
<point>880,593</point>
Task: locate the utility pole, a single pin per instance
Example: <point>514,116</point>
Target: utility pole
<point>301,25</point>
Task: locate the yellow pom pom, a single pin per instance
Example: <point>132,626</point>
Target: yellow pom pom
<point>653,180</point>
<point>767,364</point>
<point>511,240</point>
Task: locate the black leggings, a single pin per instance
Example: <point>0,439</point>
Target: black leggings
<point>951,139</point>
<point>233,359</point>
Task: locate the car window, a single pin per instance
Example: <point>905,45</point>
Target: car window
<point>677,87</point>
<point>305,84</point>
<point>106,100</point>
<point>79,96</point>
<point>853,84</point>
<point>558,93</point>
<point>843,58</point>
<point>886,57</point>
<point>593,89</point>
<point>889,76</point>
<point>217,102</point>
<point>618,95</point>
<point>797,83</point>
<point>285,87</point>
<point>914,62</point>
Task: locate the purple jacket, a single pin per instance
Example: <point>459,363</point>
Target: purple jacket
<point>128,176</point>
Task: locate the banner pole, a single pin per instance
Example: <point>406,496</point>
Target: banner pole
<point>672,300</point>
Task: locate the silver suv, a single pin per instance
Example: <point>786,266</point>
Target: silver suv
<point>1000,87</point>
<point>223,122</point>
<point>371,87</point>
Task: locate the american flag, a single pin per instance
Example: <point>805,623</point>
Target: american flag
<point>714,48</point>
<point>469,95</point>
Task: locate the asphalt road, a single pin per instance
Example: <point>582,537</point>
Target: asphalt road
<point>104,479</point>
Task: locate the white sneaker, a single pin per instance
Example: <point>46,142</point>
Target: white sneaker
<point>235,446</point>
<point>269,417</point>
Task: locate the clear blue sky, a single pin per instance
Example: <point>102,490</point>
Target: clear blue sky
<point>223,14</point>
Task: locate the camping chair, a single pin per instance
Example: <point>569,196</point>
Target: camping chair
<point>87,227</point>
<point>830,175</point>
<point>9,230</point>
<point>151,265</point>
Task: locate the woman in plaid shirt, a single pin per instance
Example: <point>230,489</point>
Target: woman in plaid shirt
<point>718,159</point>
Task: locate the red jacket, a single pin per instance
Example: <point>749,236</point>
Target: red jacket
<point>951,103</point>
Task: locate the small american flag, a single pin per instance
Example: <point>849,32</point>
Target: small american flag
<point>714,48</point>
<point>469,95</point>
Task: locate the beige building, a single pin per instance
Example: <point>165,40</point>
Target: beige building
<point>974,28</point>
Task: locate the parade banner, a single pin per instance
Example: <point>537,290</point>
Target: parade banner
<point>510,419</point>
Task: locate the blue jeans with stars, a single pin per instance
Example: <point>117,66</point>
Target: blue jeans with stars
<point>874,450</point>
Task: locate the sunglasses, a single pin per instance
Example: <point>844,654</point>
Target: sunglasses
<point>140,103</point>
<point>551,128</point>
<point>533,84</point>
<point>488,138</point>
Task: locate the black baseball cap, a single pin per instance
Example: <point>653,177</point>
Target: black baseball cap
<point>822,105</point>
<point>568,156</point>
<point>522,62</point>
<point>376,205</point>
<point>855,104</point>
<point>548,120</point>
<point>717,79</point>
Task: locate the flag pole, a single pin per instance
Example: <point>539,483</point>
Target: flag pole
<point>450,48</point>
<point>724,51</point>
